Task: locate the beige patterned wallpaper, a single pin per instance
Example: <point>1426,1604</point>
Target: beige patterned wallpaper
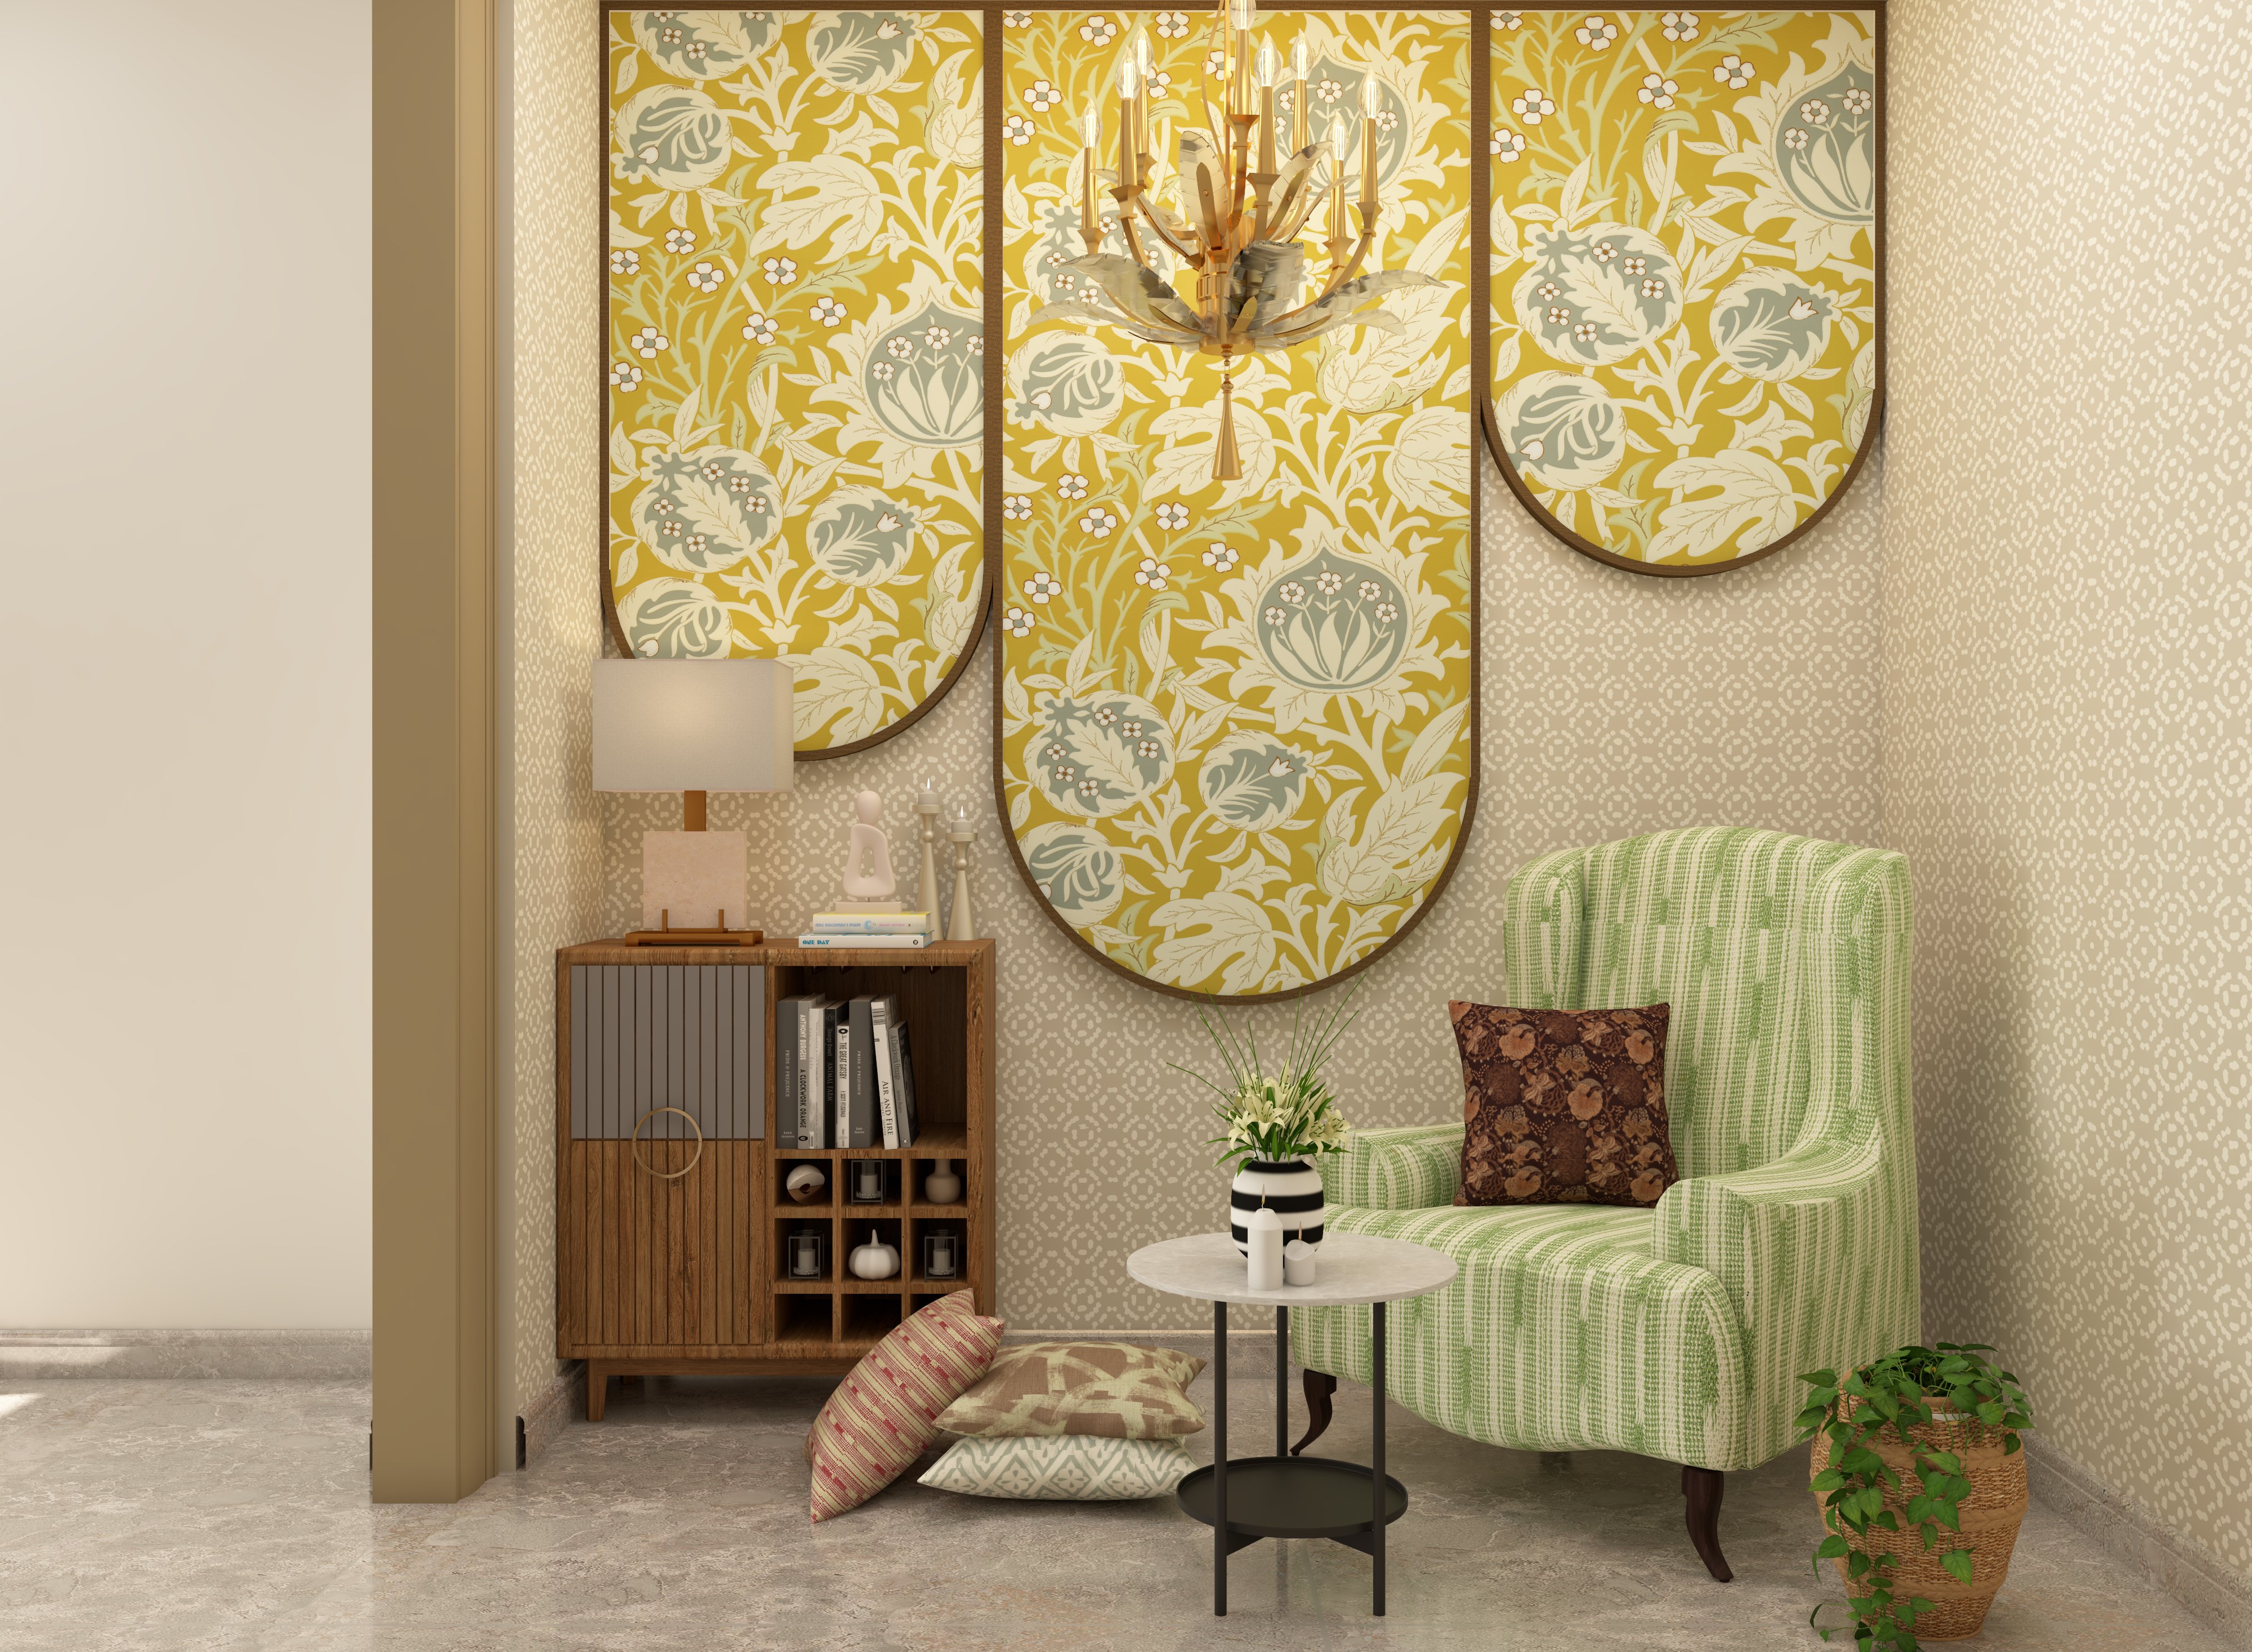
<point>2067,749</point>
<point>1613,703</point>
<point>553,889</point>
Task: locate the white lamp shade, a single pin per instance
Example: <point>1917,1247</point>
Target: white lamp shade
<point>692,725</point>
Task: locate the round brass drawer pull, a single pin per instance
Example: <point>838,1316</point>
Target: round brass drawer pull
<point>667,1175</point>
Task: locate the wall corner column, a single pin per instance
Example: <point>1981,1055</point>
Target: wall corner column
<point>434,699</point>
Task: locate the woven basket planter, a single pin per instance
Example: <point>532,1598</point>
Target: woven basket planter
<point>1990,1512</point>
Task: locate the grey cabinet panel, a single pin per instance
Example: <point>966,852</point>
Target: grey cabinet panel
<point>652,1035</point>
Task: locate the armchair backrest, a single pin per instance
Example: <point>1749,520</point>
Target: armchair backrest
<point>1785,960</point>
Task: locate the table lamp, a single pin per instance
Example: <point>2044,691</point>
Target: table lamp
<point>694,726</point>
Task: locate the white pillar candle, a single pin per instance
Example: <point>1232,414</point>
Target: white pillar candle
<point>1300,1262</point>
<point>1263,1230</point>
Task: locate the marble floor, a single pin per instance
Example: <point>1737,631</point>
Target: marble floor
<point>162,1515</point>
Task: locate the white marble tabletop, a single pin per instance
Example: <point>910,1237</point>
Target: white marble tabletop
<point>1354,1267</point>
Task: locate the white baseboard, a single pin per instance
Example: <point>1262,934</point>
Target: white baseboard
<point>2173,1560</point>
<point>45,1356</point>
<point>549,1412</point>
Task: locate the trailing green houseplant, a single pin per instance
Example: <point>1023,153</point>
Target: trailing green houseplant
<point>1895,1393</point>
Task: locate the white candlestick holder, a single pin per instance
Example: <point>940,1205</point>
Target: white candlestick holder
<point>960,924</point>
<point>926,810</point>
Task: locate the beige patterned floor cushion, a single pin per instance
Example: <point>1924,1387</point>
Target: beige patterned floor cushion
<point>1061,1467</point>
<point>1111,1388</point>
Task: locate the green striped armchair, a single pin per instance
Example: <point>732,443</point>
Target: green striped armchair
<point>1788,1246</point>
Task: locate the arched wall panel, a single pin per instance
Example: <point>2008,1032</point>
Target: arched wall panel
<point>1686,239</point>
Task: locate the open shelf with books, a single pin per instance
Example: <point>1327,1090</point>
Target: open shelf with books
<point>718,1033</point>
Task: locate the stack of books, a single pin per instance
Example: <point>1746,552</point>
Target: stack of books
<point>870,928</point>
<point>844,1075</point>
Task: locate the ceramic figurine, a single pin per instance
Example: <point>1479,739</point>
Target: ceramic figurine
<point>868,858</point>
<point>1264,1229</point>
<point>942,1186</point>
<point>805,1183</point>
<point>960,926</point>
<point>874,1260</point>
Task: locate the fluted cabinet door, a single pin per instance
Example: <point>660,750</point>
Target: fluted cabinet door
<point>656,1261</point>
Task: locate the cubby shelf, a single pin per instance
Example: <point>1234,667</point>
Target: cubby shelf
<point>670,1252</point>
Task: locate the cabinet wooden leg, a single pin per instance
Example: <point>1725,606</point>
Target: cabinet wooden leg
<point>598,1388</point>
<point>1702,1487</point>
<point>1318,1386</point>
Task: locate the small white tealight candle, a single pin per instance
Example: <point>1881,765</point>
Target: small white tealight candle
<point>1300,1262</point>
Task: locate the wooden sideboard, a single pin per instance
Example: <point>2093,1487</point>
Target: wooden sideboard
<point>671,1217</point>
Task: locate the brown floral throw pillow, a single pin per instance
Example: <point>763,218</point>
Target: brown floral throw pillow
<point>1563,1106</point>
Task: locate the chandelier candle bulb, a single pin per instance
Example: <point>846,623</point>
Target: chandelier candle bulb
<point>1368,107</point>
<point>1338,236</point>
<point>1299,129</point>
<point>1090,214</point>
<point>1145,63</point>
<point>1129,83</point>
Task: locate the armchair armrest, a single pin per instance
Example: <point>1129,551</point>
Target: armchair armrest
<point>1407,1169</point>
<point>1816,1249</point>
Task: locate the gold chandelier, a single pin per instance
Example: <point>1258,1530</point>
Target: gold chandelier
<point>1237,220</point>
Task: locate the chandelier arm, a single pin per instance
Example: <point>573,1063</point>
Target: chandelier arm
<point>1360,253</point>
<point>1242,329</point>
<point>1337,280</point>
<point>1190,254</point>
<point>1289,219</point>
<point>1133,241</point>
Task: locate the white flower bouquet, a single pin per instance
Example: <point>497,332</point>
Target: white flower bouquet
<point>1283,1116</point>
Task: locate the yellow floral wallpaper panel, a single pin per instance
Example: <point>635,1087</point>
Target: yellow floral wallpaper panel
<point>1685,362</point>
<point>796,336</point>
<point>1235,725</point>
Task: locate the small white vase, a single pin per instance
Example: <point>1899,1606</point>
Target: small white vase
<point>942,1186</point>
<point>874,1260</point>
<point>1290,1187</point>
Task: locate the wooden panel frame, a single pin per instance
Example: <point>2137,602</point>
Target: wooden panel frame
<point>1488,419</point>
<point>1480,344</point>
<point>1481,411</point>
<point>989,477</point>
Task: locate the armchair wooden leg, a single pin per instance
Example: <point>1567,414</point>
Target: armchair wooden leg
<point>1318,1386</point>
<point>1702,1487</point>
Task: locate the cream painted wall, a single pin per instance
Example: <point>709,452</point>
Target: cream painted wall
<point>184,442</point>
<point>2067,717</point>
<point>1613,703</point>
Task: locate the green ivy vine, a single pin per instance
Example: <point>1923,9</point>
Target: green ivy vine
<point>1892,1393</point>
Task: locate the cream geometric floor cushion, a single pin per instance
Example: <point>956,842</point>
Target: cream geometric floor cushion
<point>1061,1467</point>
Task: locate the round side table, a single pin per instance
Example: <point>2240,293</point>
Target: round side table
<point>1282,1496</point>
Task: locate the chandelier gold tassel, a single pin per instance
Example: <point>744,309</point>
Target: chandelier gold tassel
<point>1225,466</point>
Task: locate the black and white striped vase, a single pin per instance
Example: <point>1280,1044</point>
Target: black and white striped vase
<point>1290,1187</point>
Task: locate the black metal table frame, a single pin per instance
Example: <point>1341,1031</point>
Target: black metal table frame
<point>1224,1542</point>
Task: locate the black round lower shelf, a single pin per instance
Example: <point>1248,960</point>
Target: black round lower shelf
<point>1292,1496</point>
